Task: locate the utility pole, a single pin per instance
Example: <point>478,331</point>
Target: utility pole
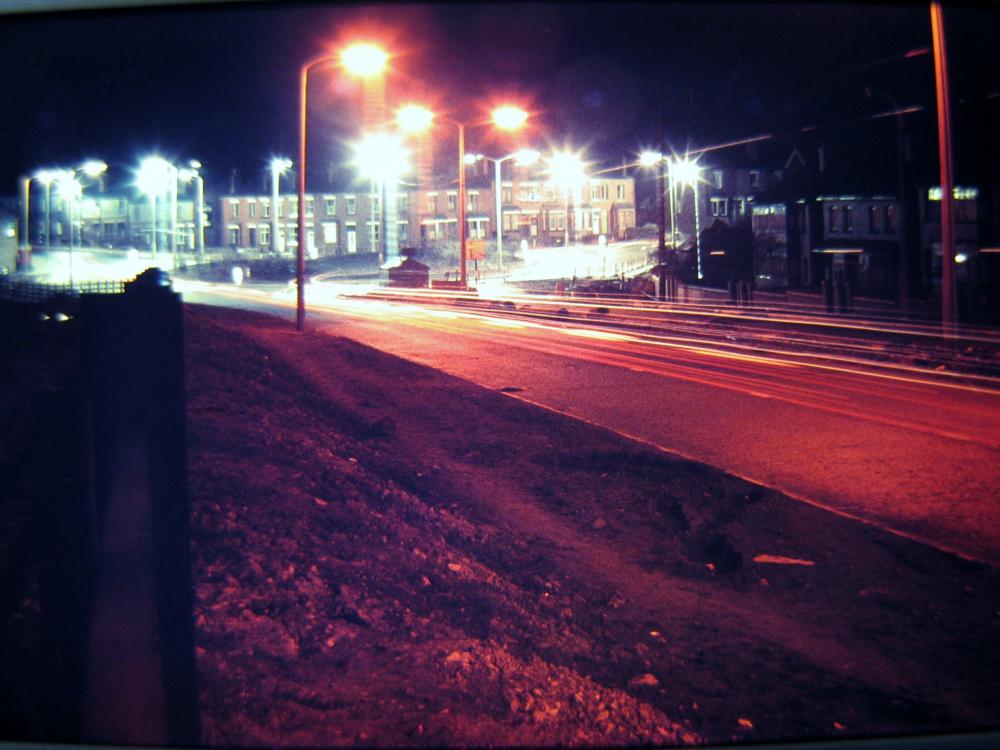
<point>949,307</point>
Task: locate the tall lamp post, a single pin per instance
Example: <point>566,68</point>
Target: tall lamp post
<point>566,169</point>
<point>689,172</point>
<point>382,158</point>
<point>154,178</point>
<point>525,157</point>
<point>650,159</point>
<point>357,58</point>
<point>191,174</point>
<point>506,117</point>
<point>279,166</point>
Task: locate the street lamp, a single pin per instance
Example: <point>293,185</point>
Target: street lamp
<point>525,157</point>
<point>153,179</point>
<point>566,170</point>
<point>69,190</point>
<point>649,159</point>
<point>505,117</point>
<point>365,59</point>
<point>188,174</point>
<point>279,166</point>
<point>689,172</point>
<point>382,158</point>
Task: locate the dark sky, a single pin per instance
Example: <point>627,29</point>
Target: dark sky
<point>219,83</point>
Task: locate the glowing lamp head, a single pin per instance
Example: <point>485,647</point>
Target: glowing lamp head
<point>381,156</point>
<point>413,118</point>
<point>153,177</point>
<point>45,176</point>
<point>279,164</point>
<point>566,169</point>
<point>364,59</point>
<point>93,168</point>
<point>685,170</point>
<point>650,158</point>
<point>509,117</point>
<point>473,158</point>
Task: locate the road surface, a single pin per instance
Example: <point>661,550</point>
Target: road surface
<point>917,455</point>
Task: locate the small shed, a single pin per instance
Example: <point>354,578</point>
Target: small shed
<point>408,273</point>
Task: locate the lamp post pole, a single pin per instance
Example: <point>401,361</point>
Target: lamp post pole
<point>199,216</point>
<point>499,215</point>
<point>300,255</point>
<point>661,242</point>
<point>949,308</point>
<point>461,206</point>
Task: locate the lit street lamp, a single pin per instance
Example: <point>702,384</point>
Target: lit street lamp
<point>567,171</point>
<point>382,158</point>
<point>278,167</point>
<point>524,157</point>
<point>689,172</point>
<point>189,174</point>
<point>506,117</point>
<point>154,178</point>
<point>365,60</point>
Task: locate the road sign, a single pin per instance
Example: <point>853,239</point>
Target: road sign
<point>475,249</point>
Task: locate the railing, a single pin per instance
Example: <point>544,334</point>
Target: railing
<point>33,292</point>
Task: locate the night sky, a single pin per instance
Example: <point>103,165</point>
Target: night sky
<point>219,83</point>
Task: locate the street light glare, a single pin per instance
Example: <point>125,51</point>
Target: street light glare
<point>685,170</point>
<point>566,169</point>
<point>153,177</point>
<point>649,158</point>
<point>364,59</point>
<point>279,164</point>
<point>94,167</point>
<point>381,156</point>
<point>413,118</point>
<point>509,117</point>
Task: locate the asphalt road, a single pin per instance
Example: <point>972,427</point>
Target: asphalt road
<point>919,457</point>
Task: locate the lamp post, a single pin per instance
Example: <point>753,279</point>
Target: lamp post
<point>154,178</point>
<point>278,167</point>
<point>191,174</point>
<point>689,172</point>
<point>506,117</point>
<point>566,169</point>
<point>362,59</point>
<point>524,157</point>
<point>382,158</point>
<point>649,159</point>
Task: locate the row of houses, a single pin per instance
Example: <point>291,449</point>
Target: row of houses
<point>532,210</point>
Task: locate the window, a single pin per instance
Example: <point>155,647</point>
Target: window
<point>621,192</point>
<point>754,178</point>
<point>598,192</point>
<point>848,219</point>
<point>717,178</point>
<point>432,203</point>
<point>265,235</point>
<point>529,191</point>
<point>557,220</point>
<point>833,218</point>
<point>234,209</point>
<point>330,206</point>
<point>507,195</point>
<point>874,220</point>
<point>281,209</point>
<point>310,206</point>
<point>234,236</point>
<point>252,208</point>
<point>330,232</point>
<point>720,206</point>
<point>890,220</point>
<point>374,231</point>
<point>452,201</point>
<point>265,209</point>
<point>473,202</point>
<point>403,229</point>
<point>352,205</point>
